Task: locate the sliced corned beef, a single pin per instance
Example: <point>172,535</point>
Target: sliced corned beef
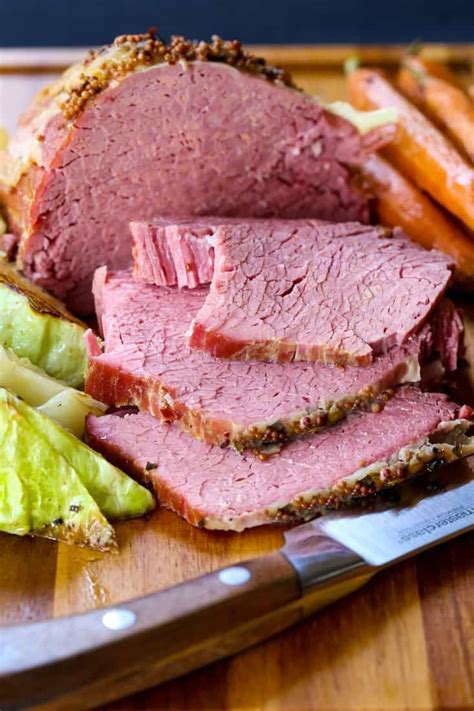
<point>171,252</point>
<point>148,363</point>
<point>142,128</point>
<point>218,488</point>
<point>297,290</point>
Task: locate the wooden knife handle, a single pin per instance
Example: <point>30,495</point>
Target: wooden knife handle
<point>88,659</point>
<point>85,660</point>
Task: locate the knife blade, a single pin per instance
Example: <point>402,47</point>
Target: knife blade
<point>384,537</point>
<point>89,659</point>
<point>428,510</point>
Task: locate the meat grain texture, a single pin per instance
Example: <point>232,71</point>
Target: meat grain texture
<point>194,137</point>
<point>218,488</point>
<point>300,289</point>
<point>148,363</point>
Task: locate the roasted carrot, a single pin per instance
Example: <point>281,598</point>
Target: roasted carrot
<point>419,149</point>
<point>451,108</point>
<point>398,202</point>
<point>416,61</point>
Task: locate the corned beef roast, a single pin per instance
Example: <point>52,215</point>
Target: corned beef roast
<point>144,128</point>
<point>218,488</point>
<point>300,289</point>
<point>147,363</point>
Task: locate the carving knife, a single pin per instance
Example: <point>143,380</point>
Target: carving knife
<point>89,659</point>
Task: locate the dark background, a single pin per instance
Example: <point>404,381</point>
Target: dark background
<point>92,22</point>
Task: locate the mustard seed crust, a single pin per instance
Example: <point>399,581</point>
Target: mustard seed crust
<point>269,439</point>
<point>423,457</point>
<point>146,50</point>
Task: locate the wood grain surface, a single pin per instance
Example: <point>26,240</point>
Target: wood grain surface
<point>406,641</point>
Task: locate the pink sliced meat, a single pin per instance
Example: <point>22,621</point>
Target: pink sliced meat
<point>295,290</point>
<point>147,363</point>
<point>218,488</point>
<point>174,252</point>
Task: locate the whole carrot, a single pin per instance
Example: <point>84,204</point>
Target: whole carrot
<point>398,202</point>
<point>447,105</point>
<point>419,149</point>
<point>434,69</point>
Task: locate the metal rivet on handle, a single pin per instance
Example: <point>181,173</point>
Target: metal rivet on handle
<point>237,575</point>
<point>119,619</point>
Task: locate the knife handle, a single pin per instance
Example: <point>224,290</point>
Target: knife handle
<point>89,659</point>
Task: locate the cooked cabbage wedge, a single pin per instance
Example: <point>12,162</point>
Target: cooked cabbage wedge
<point>116,495</point>
<point>364,121</point>
<point>38,327</point>
<point>40,492</point>
<point>68,407</point>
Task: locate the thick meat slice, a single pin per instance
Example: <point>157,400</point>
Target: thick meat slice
<point>299,289</point>
<point>218,488</point>
<point>129,135</point>
<point>331,293</point>
<point>148,363</point>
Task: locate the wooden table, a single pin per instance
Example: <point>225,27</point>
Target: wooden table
<point>406,641</point>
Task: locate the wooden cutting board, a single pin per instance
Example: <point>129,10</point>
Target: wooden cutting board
<point>406,641</point>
